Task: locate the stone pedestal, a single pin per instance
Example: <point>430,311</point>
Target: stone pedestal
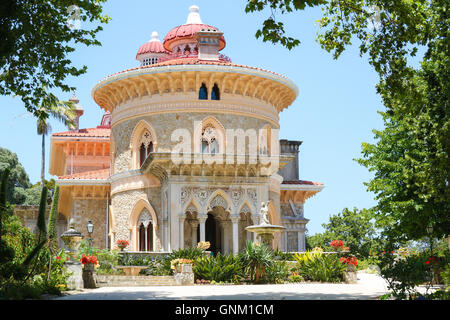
<point>75,280</point>
<point>350,277</point>
<point>89,276</point>
<point>185,277</point>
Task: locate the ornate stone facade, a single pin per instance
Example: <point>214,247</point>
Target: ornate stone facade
<point>193,150</point>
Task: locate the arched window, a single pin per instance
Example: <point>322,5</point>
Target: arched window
<point>209,140</point>
<point>203,92</point>
<point>215,93</point>
<point>145,231</point>
<point>146,146</point>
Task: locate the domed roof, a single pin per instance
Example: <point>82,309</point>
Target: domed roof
<point>153,46</point>
<point>193,24</point>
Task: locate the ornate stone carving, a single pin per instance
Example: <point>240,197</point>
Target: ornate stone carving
<point>145,218</point>
<point>252,195</point>
<point>219,201</point>
<point>185,194</point>
<point>245,209</point>
<point>236,195</point>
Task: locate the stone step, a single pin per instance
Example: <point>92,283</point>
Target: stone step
<point>133,281</point>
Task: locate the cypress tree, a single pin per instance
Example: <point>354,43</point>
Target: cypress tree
<point>42,230</point>
<point>52,218</point>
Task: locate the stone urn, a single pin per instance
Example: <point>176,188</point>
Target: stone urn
<point>72,239</point>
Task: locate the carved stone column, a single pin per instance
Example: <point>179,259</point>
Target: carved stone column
<point>194,227</point>
<point>181,219</point>
<point>235,221</point>
<point>202,219</point>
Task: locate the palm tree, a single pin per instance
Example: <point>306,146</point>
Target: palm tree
<point>64,111</point>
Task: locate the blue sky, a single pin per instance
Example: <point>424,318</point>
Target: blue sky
<point>335,111</point>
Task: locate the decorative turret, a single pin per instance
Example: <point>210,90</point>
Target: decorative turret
<point>208,44</point>
<point>78,110</point>
<point>150,52</point>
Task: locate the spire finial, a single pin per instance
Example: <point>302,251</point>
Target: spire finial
<point>155,37</point>
<point>194,15</point>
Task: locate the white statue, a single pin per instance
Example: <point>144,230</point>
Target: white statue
<point>265,212</point>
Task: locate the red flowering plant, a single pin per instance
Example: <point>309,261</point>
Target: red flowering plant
<point>122,244</point>
<point>338,245</point>
<point>88,259</point>
<point>432,260</point>
<point>349,260</point>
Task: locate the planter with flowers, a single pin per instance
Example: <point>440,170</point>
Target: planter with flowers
<point>89,263</point>
<point>350,274</point>
<point>122,244</point>
<point>183,273</point>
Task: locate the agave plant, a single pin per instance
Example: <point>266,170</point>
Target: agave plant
<point>255,259</point>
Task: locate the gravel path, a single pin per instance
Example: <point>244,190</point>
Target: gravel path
<point>368,287</point>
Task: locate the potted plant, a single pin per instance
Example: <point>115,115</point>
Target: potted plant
<point>177,264</point>
<point>122,244</point>
<point>89,263</point>
<point>351,263</point>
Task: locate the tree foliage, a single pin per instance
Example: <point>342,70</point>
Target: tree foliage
<point>354,228</point>
<point>18,180</point>
<point>410,158</point>
<point>37,39</point>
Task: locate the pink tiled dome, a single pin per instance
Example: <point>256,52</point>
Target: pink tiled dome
<point>188,30</point>
<point>153,46</point>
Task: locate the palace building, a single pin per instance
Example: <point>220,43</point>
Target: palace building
<point>187,150</point>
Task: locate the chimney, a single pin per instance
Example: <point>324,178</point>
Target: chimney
<point>208,44</point>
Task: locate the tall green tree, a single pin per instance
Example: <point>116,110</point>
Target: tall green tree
<point>410,159</point>
<point>37,39</point>
<point>354,228</point>
<point>18,180</point>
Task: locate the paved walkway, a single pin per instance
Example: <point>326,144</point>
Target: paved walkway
<point>368,287</point>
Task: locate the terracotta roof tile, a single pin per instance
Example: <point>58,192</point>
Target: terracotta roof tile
<point>187,31</point>
<point>100,131</point>
<point>191,61</point>
<point>101,174</point>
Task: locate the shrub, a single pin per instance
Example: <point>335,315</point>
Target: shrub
<point>316,266</point>
<point>277,272</point>
<point>283,256</point>
<point>405,272</point>
<point>187,253</point>
<point>255,259</point>
<point>221,268</point>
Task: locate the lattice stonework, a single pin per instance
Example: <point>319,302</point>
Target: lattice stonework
<point>146,138</point>
<point>145,217</point>
<point>219,201</point>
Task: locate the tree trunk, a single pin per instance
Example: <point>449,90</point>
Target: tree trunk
<point>43,162</point>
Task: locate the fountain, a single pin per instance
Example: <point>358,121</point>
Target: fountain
<point>265,230</point>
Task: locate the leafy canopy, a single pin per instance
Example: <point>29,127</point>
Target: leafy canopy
<point>410,159</point>
<point>37,38</point>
